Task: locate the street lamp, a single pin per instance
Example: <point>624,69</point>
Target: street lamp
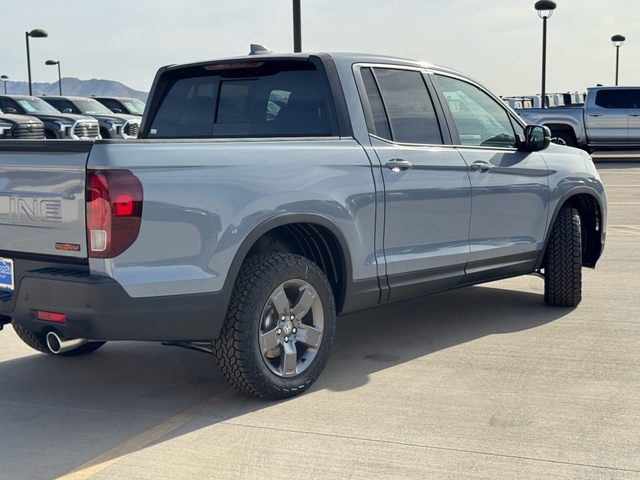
<point>297,28</point>
<point>545,9</point>
<point>54,62</point>
<point>617,41</point>
<point>4,80</point>
<point>37,33</point>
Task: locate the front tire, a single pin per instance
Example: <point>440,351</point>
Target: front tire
<point>563,267</point>
<point>279,328</point>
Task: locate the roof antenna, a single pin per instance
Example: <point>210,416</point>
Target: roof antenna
<point>257,49</point>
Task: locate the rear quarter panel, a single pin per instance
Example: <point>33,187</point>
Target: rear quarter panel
<point>202,200</point>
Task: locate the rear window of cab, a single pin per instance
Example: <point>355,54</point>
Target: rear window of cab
<point>250,99</point>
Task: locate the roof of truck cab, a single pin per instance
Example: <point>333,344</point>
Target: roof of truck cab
<point>338,57</point>
<point>341,59</point>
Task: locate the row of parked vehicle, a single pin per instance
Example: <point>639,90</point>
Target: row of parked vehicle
<point>69,117</point>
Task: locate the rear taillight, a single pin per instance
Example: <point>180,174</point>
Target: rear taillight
<point>114,211</point>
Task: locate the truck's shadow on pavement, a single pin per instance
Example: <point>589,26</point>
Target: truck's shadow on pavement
<point>371,341</point>
<point>100,401</point>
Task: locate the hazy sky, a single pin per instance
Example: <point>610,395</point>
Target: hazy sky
<point>497,42</point>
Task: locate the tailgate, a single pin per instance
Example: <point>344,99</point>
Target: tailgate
<point>42,197</point>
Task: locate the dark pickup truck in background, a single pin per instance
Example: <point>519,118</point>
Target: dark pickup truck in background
<point>20,127</point>
<point>56,124</point>
<point>112,125</point>
<point>268,194</point>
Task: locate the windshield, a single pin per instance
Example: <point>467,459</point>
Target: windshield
<point>89,106</point>
<point>36,105</point>
<point>134,106</point>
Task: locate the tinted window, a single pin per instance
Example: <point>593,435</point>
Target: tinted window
<point>34,105</point>
<point>273,99</point>
<point>90,106</point>
<point>134,106</point>
<point>380,122</point>
<point>111,104</point>
<point>408,106</point>
<point>618,98</point>
<point>7,103</point>
<point>63,105</point>
<point>480,120</point>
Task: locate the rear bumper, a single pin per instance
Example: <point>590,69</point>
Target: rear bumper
<point>98,308</point>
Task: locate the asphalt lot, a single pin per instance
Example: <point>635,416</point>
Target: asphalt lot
<point>485,382</point>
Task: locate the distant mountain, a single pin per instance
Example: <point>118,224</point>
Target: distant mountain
<point>75,86</point>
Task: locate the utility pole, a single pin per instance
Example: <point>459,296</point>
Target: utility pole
<point>297,28</point>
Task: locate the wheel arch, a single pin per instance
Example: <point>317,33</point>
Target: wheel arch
<point>50,133</point>
<point>592,222</point>
<point>564,127</point>
<point>315,237</point>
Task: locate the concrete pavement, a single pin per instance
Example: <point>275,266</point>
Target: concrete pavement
<point>485,382</point>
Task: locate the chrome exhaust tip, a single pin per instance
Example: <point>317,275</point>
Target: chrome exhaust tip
<point>58,344</point>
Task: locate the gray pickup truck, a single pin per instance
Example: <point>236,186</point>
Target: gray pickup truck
<point>609,119</point>
<point>268,194</point>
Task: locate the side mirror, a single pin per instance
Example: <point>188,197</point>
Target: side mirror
<point>116,110</point>
<point>67,110</point>
<point>10,110</point>
<point>537,137</point>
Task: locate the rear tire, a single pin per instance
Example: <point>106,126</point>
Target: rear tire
<point>563,267</point>
<point>279,328</point>
<point>38,342</point>
<point>562,137</point>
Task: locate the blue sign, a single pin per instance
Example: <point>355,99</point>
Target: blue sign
<point>6,273</point>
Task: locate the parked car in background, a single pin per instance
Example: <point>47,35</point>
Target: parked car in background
<point>20,127</point>
<point>56,124</point>
<point>609,119</point>
<point>111,125</point>
<point>129,105</point>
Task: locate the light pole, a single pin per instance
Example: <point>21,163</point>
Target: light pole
<point>545,9</point>
<point>4,80</point>
<point>37,33</point>
<point>297,27</point>
<point>617,41</point>
<point>54,62</point>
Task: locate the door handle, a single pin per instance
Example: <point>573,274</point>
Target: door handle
<point>634,114</point>
<point>481,166</point>
<point>595,114</point>
<point>398,165</point>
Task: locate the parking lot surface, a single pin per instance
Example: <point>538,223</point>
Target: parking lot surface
<point>484,382</point>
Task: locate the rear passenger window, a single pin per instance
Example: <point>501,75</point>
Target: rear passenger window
<point>380,121</point>
<point>401,98</point>
<point>618,98</point>
<point>268,99</point>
